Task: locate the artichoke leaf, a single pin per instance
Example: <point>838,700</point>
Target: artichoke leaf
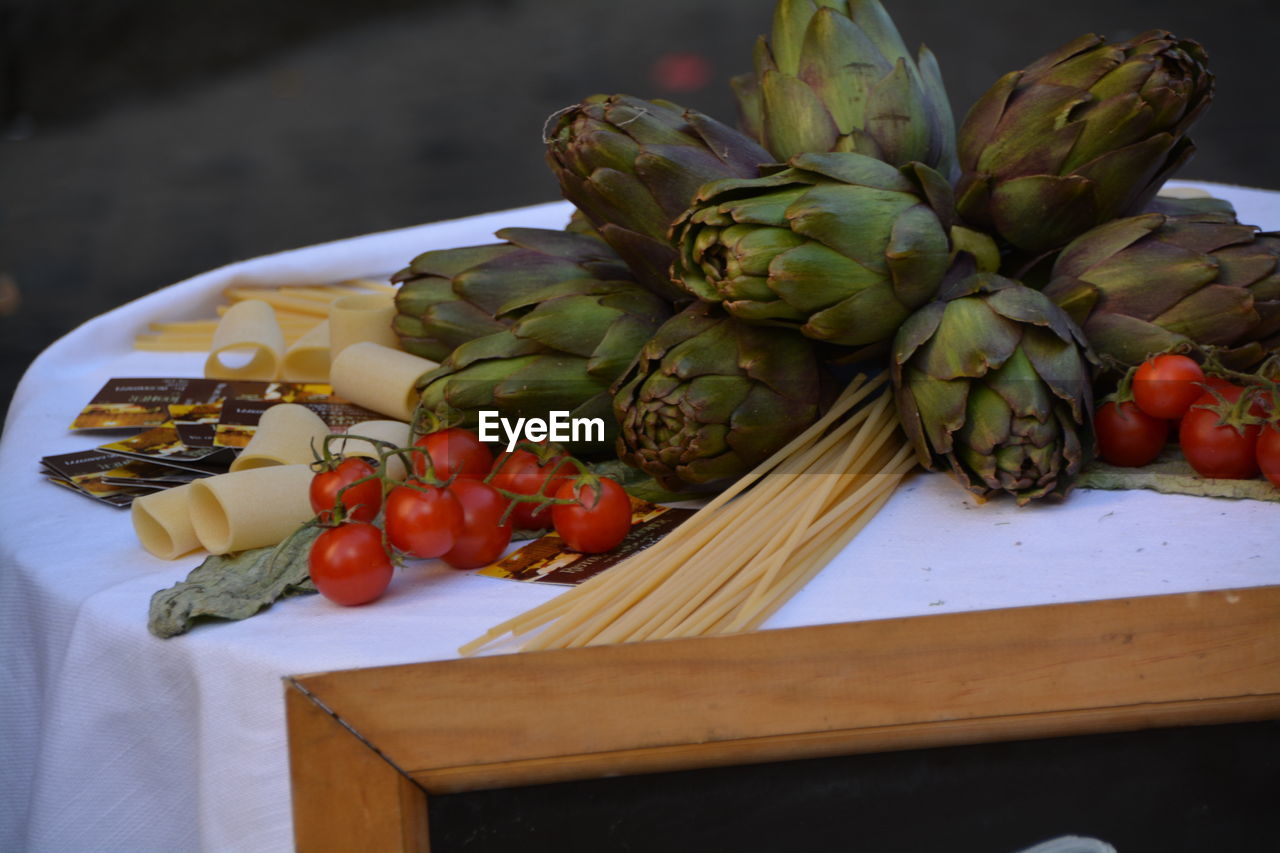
<point>811,276</point>
<point>796,120</point>
<point>1103,241</point>
<point>1217,315</point>
<point>941,406</point>
<point>897,116</point>
<point>855,170</point>
<point>970,340</point>
<point>841,64</point>
<point>1037,212</point>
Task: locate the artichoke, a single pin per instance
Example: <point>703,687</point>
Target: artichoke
<point>836,76</point>
<point>1083,135</point>
<point>711,397</point>
<point>451,296</point>
<point>564,348</point>
<point>840,246</point>
<point>993,381</point>
<point>632,166</point>
<point>1148,283</point>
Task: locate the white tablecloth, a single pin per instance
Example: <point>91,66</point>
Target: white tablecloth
<point>111,739</point>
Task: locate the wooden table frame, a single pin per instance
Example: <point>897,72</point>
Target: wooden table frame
<point>369,746</point>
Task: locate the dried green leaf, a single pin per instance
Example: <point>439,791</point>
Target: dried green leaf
<point>1171,474</point>
<point>234,586</point>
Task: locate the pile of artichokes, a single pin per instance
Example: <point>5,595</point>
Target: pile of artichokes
<point>715,283</point>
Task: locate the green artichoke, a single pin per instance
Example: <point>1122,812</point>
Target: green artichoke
<point>840,246</point>
<point>836,76</point>
<point>564,348</point>
<point>993,381</point>
<point>711,397</point>
<point>1083,135</point>
<point>632,166</point>
<point>1148,283</point>
<point>451,296</point>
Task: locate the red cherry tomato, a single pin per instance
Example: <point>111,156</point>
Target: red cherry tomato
<point>1165,386</point>
<point>452,451</point>
<point>1268,453</point>
<point>423,521</point>
<point>481,539</point>
<point>1219,452</point>
<point>349,565</point>
<point>520,472</point>
<point>361,502</point>
<point>598,521</point>
<point>1128,436</point>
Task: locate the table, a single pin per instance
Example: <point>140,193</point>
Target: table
<point>113,739</point>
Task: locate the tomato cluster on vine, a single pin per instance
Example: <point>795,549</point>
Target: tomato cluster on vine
<point>460,504</point>
<point>1225,429</point>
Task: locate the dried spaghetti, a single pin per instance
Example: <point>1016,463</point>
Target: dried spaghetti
<point>735,562</point>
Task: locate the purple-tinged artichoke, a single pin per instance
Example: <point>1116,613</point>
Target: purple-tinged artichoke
<point>993,382</point>
<point>840,246</point>
<point>711,397</point>
<point>632,166</point>
<point>1147,284</point>
<point>836,76</point>
<point>1085,134</point>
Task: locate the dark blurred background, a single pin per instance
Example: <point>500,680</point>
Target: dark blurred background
<point>144,141</point>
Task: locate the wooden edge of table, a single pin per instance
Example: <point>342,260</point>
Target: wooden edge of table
<point>400,733</point>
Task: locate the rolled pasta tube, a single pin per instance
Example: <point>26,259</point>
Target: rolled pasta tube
<point>362,317</point>
<point>392,432</point>
<point>379,378</point>
<point>285,435</point>
<point>307,360</point>
<point>162,521</point>
<point>251,508</point>
<point>248,328</point>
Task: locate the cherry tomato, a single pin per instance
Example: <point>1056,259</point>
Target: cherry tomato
<point>452,451</point>
<point>481,540</point>
<point>520,472</point>
<point>598,521</point>
<point>349,565</point>
<point>361,502</point>
<point>1220,452</point>
<point>1128,436</point>
<point>1165,386</point>
<point>423,521</point>
<point>1268,453</point>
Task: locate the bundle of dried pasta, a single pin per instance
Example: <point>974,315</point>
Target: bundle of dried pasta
<point>298,310</point>
<point>740,558</point>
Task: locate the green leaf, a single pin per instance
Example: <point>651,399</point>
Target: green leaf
<point>234,586</point>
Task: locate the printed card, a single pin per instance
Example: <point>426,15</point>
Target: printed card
<point>548,560</point>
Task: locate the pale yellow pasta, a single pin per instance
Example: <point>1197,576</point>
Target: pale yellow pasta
<point>395,433</point>
<point>739,558</point>
<point>362,317</point>
<point>251,508</point>
<point>307,359</point>
<point>247,331</point>
<point>379,378</point>
<point>285,435</point>
<point>279,300</point>
<point>162,521</point>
